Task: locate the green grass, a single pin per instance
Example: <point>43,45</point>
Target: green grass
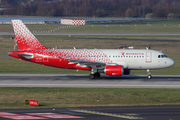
<point>125,29</point>
<point>163,26</point>
<point>85,97</point>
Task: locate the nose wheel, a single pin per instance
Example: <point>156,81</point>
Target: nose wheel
<point>149,74</point>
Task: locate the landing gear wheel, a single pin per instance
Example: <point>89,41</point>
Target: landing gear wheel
<point>149,76</point>
<point>97,75</point>
<point>91,76</point>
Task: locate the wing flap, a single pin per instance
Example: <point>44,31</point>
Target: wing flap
<point>90,64</point>
<point>84,62</point>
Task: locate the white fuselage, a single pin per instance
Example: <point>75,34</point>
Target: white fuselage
<point>128,58</point>
<point>139,58</point>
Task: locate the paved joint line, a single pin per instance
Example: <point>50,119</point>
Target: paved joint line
<point>108,114</point>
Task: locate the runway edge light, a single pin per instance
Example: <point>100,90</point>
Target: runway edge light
<point>32,102</point>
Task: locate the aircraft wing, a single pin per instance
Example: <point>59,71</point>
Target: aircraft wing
<point>89,63</point>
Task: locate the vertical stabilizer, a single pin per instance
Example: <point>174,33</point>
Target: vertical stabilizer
<point>25,39</point>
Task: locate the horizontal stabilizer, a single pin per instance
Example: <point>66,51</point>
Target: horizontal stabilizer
<point>27,56</point>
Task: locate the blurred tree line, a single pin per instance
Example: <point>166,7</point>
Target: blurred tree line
<point>92,8</point>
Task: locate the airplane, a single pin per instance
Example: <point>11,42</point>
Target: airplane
<point>112,62</point>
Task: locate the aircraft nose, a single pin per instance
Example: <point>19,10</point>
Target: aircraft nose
<point>171,62</point>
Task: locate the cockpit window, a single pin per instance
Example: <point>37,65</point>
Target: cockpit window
<point>161,56</point>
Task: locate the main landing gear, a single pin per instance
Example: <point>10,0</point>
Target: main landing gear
<point>149,74</point>
<point>95,75</point>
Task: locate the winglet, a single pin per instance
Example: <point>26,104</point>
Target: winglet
<point>25,39</point>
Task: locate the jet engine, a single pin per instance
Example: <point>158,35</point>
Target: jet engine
<point>113,70</point>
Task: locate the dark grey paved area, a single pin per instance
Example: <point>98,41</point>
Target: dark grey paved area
<point>64,80</point>
<point>99,113</point>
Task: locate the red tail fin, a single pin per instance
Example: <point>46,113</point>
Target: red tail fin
<point>25,39</point>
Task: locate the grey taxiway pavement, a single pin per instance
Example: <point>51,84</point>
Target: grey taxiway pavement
<point>76,80</point>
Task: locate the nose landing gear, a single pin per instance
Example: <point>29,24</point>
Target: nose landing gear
<point>149,74</point>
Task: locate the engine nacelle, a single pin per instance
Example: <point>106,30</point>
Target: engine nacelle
<point>114,70</point>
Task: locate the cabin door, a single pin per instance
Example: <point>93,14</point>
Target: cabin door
<point>148,56</point>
